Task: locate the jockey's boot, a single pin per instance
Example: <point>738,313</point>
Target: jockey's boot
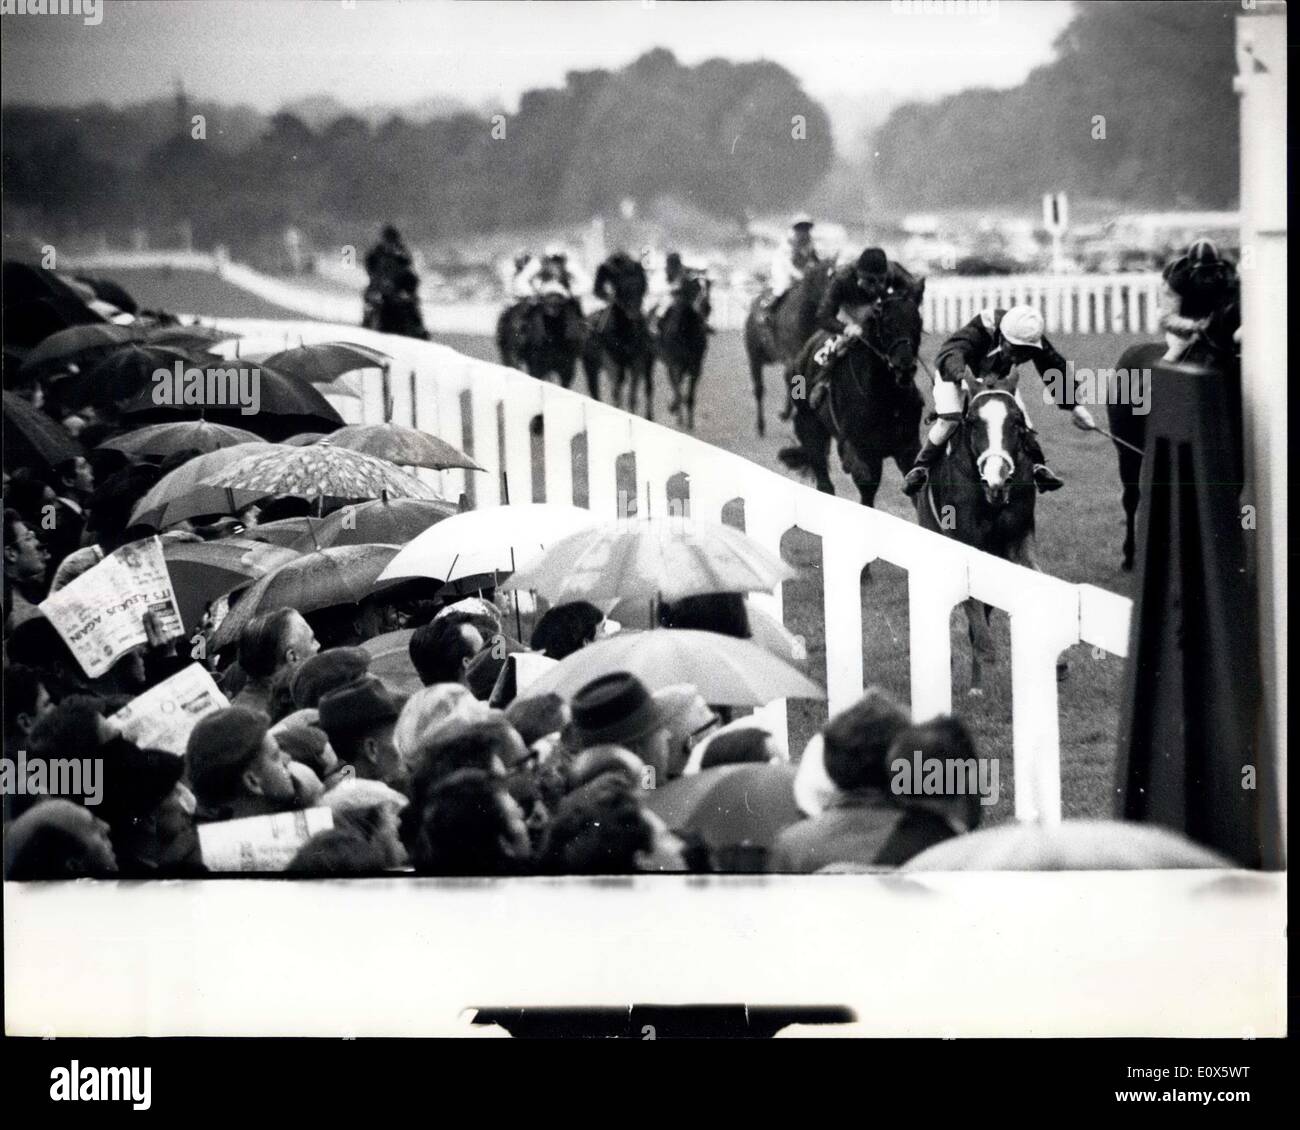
<point>1044,477</point>
<point>919,475</point>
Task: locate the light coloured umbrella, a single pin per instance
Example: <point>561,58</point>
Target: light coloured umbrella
<point>344,574</point>
<point>765,629</point>
<point>398,444</point>
<point>725,670</point>
<point>184,435</point>
<point>205,570</point>
<point>389,521</point>
<point>321,471</point>
<point>491,540</point>
<point>664,557</point>
<point>729,805</point>
<point>181,494</point>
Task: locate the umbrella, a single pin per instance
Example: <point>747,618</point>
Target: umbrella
<point>106,290</point>
<point>180,494</point>
<point>389,521</point>
<point>324,363</point>
<point>487,541</point>
<point>344,574</point>
<point>650,557</point>
<point>319,471</point>
<point>74,343</point>
<point>725,670</point>
<point>398,444</point>
<point>765,629</point>
<point>1074,845</point>
<point>730,805</point>
<point>31,437</point>
<point>188,337</point>
<point>203,571</point>
<point>127,373</point>
<point>288,532</point>
<point>184,435</point>
<point>244,395</point>
<point>390,660</point>
<point>304,439</point>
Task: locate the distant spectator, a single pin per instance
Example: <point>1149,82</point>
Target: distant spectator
<point>373,809</point>
<point>338,851</point>
<point>26,699</point>
<point>268,643</point>
<point>722,612</point>
<point>441,651</point>
<point>425,711</point>
<point>25,562</point>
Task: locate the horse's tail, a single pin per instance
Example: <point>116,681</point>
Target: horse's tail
<point>797,459</point>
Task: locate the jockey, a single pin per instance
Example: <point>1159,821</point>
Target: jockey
<point>526,267</point>
<point>553,275</point>
<point>387,258</point>
<point>791,262</point>
<point>664,286</point>
<point>991,345</point>
<point>1204,324</point>
<point>849,301</point>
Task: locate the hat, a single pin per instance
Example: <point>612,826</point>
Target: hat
<point>358,706</point>
<point>615,708</point>
<point>300,736</point>
<point>220,747</point>
<point>1022,325</point>
<point>327,671</point>
<point>872,262</point>
<point>482,671</point>
<point>801,220</point>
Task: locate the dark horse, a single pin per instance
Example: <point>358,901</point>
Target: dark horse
<point>618,339</point>
<point>392,306</point>
<point>982,493</point>
<point>870,406</point>
<point>793,324</point>
<point>1131,426</point>
<point>681,342</point>
<point>542,336</point>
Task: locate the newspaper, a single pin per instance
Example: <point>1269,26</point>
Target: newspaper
<point>164,715</point>
<point>100,615</point>
<point>260,843</point>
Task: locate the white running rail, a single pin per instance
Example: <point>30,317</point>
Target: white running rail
<point>1047,614</point>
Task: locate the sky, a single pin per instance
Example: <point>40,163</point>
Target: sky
<point>365,52</point>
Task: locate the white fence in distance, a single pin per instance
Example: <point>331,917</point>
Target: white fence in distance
<point>1047,614</point>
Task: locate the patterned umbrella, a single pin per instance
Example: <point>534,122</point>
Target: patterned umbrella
<point>319,471</point>
<point>31,437</point>
<point>180,494</point>
<point>648,557</point>
<point>184,435</point>
<point>324,363</point>
<point>725,670</point>
<point>344,574</point>
<point>205,570</point>
<point>398,444</point>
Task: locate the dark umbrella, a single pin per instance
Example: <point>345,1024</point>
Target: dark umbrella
<point>106,290</point>
<point>404,446</point>
<point>29,323</point>
<point>184,435</point>
<point>388,521</point>
<point>75,344</point>
<point>324,363</point>
<point>731,805</point>
<point>205,570</point>
<point>31,437</point>
<point>345,574</point>
<point>187,337</point>
<point>127,373</point>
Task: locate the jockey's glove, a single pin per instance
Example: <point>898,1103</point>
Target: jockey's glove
<point>1083,418</point>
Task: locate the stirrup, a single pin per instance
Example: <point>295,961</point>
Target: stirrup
<point>1046,479</point>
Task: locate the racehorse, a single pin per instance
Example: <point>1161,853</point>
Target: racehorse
<point>792,325</point>
<point>393,307</point>
<point>542,337</point>
<point>681,342</point>
<point>618,340</point>
<point>982,493</point>
<point>1131,427</point>
<point>869,403</point>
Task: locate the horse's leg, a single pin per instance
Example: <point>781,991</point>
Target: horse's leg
<point>756,379</point>
<point>647,371</point>
<point>692,379</point>
<point>982,650</point>
<point>816,442</point>
<point>865,470</point>
<point>1132,496</point>
<point>787,375</point>
<point>591,366</point>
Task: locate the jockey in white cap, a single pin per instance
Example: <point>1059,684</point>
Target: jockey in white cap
<point>989,348</point>
<point>791,261</point>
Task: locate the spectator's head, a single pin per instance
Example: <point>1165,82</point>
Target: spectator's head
<point>425,711</point>
<point>300,736</point>
<point>76,477</point>
<point>338,851</point>
<point>741,746</point>
<point>359,719</point>
<point>36,643</point>
<point>566,628</point>
<point>470,825</point>
<point>57,839</point>
<point>273,640</point>
<point>689,720</point>
<point>25,557</point>
<point>617,709</point>
<point>286,506</point>
<point>28,492</point>
<point>327,671</point>
<point>25,700</point>
<point>857,742</point>
<point>487,743</point>
<point>603,830</point>
<point>441,651</point>
<point>373,809</point>
<point>944,742</point>
<point>722,612</point>
<point>538,717</point>
<point>236,767</point>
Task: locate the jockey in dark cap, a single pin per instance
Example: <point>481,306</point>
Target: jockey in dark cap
<point>387,258</point>
<point>1206,327</point>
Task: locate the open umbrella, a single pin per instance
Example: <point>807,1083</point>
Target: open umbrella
<point>325,362</point>
<point>1073,845</point>
<point>321,471</point>
<point>492,540</point>
<point>114,293</point>
<point>184,435</point>
<point>765,629</point>
<point>126,374</point>
<point>181,494</point>
<point>405,446</point>
<point>730,805</point>
<point>75,344</point>
<point>725,670</point>
<point>303,439</point>
<point>31,437</point>
<point>650,557</point>
<point>205,570</point>
<point>344,574</point>
<point>188,337</point>
<point>391,661</point>
<point>389,521</point>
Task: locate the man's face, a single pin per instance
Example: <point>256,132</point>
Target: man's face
<point>26,558</point>
<point>301,643</point>
<point>94,835</point>
<point>268,775</point>
<point>382,761</point>
<point>81,478</point>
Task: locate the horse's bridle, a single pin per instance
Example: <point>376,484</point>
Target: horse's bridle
<point>881,354</point>
<point>982,459</point>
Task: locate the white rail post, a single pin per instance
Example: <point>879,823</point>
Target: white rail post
<point>521,401</point>
<point>485,394</point>
<point>935,585</point>
<point>607,439</point>
<point>561,421</point>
